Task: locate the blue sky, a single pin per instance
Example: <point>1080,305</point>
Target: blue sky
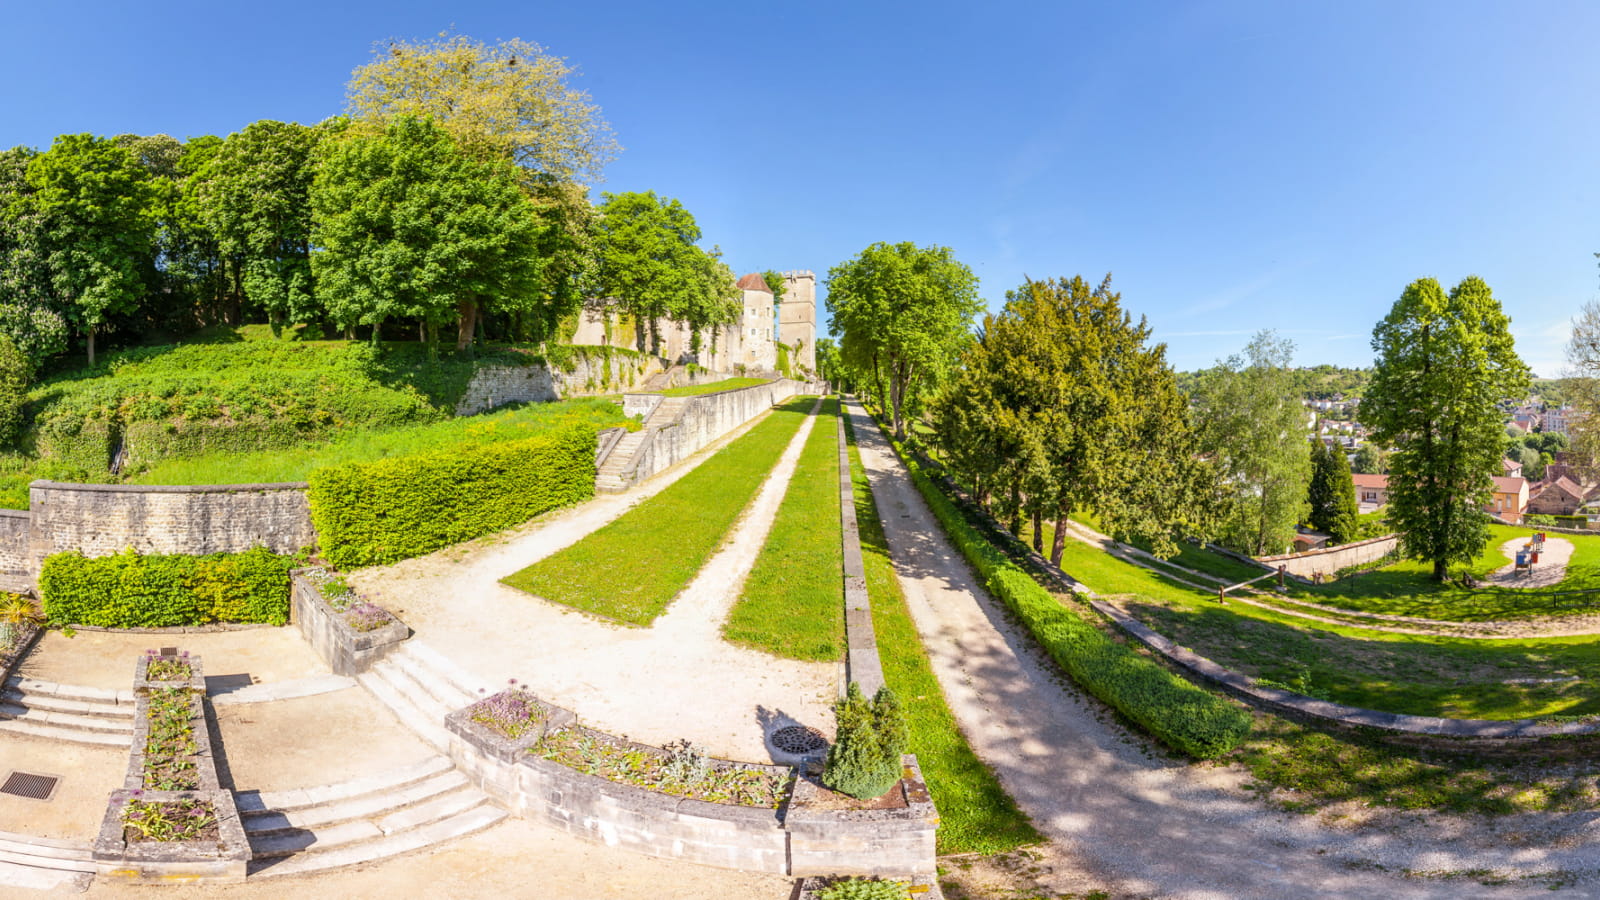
<point>1234,165</point>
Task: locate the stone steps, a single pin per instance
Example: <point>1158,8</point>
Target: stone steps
<point>349,853</point>
<point>44,864</point>
<point>64,712</point>
<point>421,687</point>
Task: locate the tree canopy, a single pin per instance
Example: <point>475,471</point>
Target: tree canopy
<point>1332,496</point>
<point>1444,361</point>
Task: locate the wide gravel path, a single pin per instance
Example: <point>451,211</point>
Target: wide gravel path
<point>1143,823</point>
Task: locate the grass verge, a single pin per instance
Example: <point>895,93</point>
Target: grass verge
<point>976,814</point>
<point>792,605</point>
<point>630,570</point>
<point>714,387</point>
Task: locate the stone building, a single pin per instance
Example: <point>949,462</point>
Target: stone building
<point>797,325</point>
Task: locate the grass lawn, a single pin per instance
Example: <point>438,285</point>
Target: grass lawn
<point>630,570</point>
<point>792,605</point>
<point>976,815</point>
<point>296,463</point>
<point>714,387</point>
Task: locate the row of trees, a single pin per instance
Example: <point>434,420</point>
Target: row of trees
<point>1059,404</point>
<point>452,193</point>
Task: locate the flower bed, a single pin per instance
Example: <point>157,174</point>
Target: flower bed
<point>347,630</point>
<point>184,819</point>
<point>679,769</point>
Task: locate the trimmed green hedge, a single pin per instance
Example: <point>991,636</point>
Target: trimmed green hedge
<point>1183,716</point>
<point>381,512</point>
<point>134,591</point>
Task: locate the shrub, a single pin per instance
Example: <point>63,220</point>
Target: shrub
<point>15,374</point>
<point>374,513</point>
<point>1185,717</point>
<point>130,590</point>
<point>864,761</point>
<point>865,889</point>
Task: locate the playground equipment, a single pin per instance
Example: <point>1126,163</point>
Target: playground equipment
<point>1528,556</point>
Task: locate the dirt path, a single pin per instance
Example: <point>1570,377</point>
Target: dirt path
<point>1123,813</point>
<point>1551,570</point>
<point>677,679</point>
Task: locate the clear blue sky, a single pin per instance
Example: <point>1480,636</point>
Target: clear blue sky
<point>1235,165</point>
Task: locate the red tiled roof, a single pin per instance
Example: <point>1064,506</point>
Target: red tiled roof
<point>1371,481</point>
<point>1505,485</point>
<point>753,282</point>
<point>1509,466</point>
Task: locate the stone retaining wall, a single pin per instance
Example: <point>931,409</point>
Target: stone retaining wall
<point>704,419</point>
<point>798,838</point>
<point>16,571</point>
<point>1330,560</point>
<point>494,386</point>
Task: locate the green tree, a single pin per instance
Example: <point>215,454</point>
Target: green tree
<point>904,314</point>
<point>1332,494</point>
<point>1443,363</point>
<point>407,225</point>
<point>99,206</point>
<point>29,313</point>
<point>1064,408</point>
<point>1370,460</point>
<point>1251,422</point>
<point>870,736</point>
<point>16,373</point>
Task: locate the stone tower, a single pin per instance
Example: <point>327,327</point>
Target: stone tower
<point>798,315</point>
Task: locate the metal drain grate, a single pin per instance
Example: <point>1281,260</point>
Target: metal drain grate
<point>33,787</point>
<point>798,739</point>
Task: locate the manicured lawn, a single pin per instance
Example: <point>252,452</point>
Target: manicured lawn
<point>792,605</point>
<point>630,570</point>
<point>715,387</point>
<point>976,815</point>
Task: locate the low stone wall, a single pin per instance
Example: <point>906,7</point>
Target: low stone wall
<point>798,838</point>
<point>704,419</point>
<point>102,519</point>
<point>862,663</point>
<point>494,386</point>
<point>1330,560</point>
<point>16,573</point>
<point>346,651</point>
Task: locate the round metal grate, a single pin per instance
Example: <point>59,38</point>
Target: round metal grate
<point>798,739</point>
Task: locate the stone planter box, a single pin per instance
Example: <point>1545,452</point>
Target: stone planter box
<point>142,683</point>
<point>790,840</point>
<point>205,763</point>
<point>346,651</point>
<point>920,887</point>
<point>497,746</point>
<point>221,861</point>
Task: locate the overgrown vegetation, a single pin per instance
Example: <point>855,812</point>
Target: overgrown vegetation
<point>792,603</point>
<point>713,387</point>
<point>976,814</point>
<point>129,590</point>
<point>667,538</point>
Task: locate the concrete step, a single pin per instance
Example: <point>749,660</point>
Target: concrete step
<point>370,806</point>
<point>33,878</point>
<point>460,686</point>
<point>67,720</point>
<point>414,687</point>
<point>71,692</point>
<point>38,729</point>
<point>63,704</point>
<point>379,681</point>
<point>321,858</point>
<point>306,798</point>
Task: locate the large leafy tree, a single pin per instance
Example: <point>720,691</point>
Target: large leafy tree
<point>1332,495</point>
<point>1062,406</point>
<point>29,313</point>
<point>904,314</point>
<point>99,205</point>
<point>408,225</point>
<point>1252,423</point>
<point>254,196</point>
<point>1443,363</point>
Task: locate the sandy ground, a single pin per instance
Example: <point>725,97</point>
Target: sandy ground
<point>514,860</point>
<point>676,679</point>
<point>1551,570</point>
<point>1122,814</point>
<point>88,776</point>
<point>312,741</point>
<point>104,660</point>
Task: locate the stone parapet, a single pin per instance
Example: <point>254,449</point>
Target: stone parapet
<point>700,421</point>
<point>346,651</point>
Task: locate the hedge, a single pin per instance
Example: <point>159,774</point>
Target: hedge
<point>1184,717</point>
<point>130,590</point>
<point>375,513</point>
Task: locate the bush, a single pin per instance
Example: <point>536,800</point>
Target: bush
<point>15,374</point>
<point>870,737</point>
<point>374,513</point>
<point>130,590</point>
<point>1185,717</point>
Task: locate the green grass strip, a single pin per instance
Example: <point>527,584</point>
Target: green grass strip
<point>630,570</point>
<point>976,815</point>
<point>713,387</point>
<point>792,605</point>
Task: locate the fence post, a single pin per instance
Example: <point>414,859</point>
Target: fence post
<point>1280,577</point>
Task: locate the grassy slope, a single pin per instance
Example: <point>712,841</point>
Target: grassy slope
<point>714,387</point>
<point>630,570</point>
<point>792,605</point>
<point>976,814</point>
<point>296,463</point>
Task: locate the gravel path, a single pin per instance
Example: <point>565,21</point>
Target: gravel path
<point>1551,570</point>
<point>1123,813</point>
<point>676,679</point>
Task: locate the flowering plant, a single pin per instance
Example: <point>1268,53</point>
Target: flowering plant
<point>512,712</point>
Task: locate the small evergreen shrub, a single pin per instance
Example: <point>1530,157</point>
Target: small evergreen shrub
<point>864,761</point>
<point>130,590</point>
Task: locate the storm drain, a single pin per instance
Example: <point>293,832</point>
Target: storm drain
<point>800,740</point>
<point>33,787</point>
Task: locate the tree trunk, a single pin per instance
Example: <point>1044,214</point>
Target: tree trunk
<point>1441,569</point>
<point>1016,511</point>
<point>1060,543</point>
<point>1038,531</point>
<point>91,344</point>
<point>467,324</point>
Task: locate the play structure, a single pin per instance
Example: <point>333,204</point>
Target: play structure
<point>1528,556</point>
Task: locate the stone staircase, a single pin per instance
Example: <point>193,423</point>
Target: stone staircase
<point>43,864</point>
<point>310,830</point>
<point>611,478</point>
<point>63,712</point>
<point>421,687</point>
